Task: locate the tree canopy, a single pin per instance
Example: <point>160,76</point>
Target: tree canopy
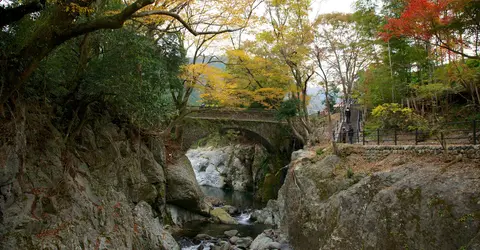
<point>145,59</point>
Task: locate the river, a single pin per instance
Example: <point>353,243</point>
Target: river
<point>243,201</point>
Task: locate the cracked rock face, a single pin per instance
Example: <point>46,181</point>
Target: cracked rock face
<point>414,205</point>
<point>105,192</point>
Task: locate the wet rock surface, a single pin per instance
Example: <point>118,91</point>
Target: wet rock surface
<point>268,239</point>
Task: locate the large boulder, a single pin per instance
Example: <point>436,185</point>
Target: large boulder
<point>182,187</point>
<point>221,216</point>
<point>106,190</point>
<point>270,215</point>
<point>261,242</point>
<point>210,165</point>
<point>180,215</point>
<point>152,234</point>
<point>416,205</point>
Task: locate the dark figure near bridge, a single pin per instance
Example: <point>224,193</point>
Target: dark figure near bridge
<point>347,115</point>
<point>350,135</point>
<point>344,135</point>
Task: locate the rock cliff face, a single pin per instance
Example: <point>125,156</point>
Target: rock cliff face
<point>106,190</point>
<point>401,202</point>
<point>242,167</point>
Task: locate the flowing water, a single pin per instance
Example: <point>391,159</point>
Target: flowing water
<point>243,201</point>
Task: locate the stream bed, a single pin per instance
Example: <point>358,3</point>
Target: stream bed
<point>245,204</point>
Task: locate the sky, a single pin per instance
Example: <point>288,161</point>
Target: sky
<point>327,6</point>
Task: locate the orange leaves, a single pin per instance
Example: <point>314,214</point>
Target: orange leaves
<point>423,18</point>
<point>269,97</point>
<point>214,83</point>
<point>51,232</point>
<point>202,75</point>
<point>231,88</point>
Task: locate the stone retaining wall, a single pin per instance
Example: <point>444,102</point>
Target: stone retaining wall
<point>375,153</point>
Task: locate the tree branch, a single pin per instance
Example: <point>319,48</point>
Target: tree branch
<point>183,22</point>
<point>10,15</point>
<point>108,22</point>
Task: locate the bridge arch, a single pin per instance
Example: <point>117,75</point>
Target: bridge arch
<point>276,137</point>
<point>251,135</point>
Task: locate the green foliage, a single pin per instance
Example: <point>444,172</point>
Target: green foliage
<point>392,115</point>
<point>218,139</point>
<point>333,92</point>
<point>232,135</point>
<point>288,109</point>
<point>319,151</point>
<point>127,72</point>
<point>350,173</point>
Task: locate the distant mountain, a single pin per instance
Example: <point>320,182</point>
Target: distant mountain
<point>217,61</point>
<point>317,96</point>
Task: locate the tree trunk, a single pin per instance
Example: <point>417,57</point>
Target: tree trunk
<point>296,133</point>
<point>330,126</point>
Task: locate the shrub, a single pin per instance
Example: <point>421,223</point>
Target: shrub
<point>350,173</point>
<point>394,116</point>
<point>319,151</point>
<point>288,109</point>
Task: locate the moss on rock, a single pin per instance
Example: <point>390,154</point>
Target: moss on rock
<point>222,216</point>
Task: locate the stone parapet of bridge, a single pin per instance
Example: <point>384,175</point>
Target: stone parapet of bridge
<point>233,114</point>
<point>275,136</point>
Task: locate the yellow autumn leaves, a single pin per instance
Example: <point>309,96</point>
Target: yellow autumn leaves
<point>246,80</point>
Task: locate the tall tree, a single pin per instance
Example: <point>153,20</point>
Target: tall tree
<point>450,24</point>
<point>323,72</point>
<point>346,50</point>
<point>288,40</point>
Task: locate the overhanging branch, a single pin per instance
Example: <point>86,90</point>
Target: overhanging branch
<point>10,15</point>
<point>183,22</point>
<point>108,22</point>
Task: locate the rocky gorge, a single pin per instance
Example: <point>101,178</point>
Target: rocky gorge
<point>113,187</point>
<point>116,188</point>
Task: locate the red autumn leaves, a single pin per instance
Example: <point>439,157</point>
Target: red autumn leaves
<point>423,19</point>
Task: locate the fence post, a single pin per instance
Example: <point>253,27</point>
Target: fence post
<point>474,132</point>
<point>395,135</point>
<point>363,136</point>
<point>378,136</point>
<point>416,136</point>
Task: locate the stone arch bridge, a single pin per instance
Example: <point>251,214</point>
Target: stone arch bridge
<point>259,126</point>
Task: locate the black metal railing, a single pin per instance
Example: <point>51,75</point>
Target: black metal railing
<point>460,133</point>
